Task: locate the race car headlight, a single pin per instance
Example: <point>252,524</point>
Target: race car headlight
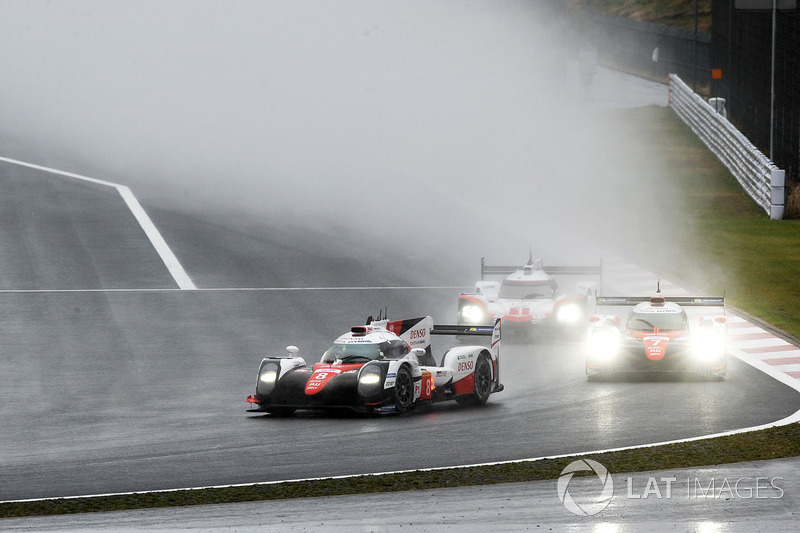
<point>370,380</point>
<point>569,313</point>
<point>472,314</point>
<point>267,376</point>
<point>708,344</point>
<point>603,342</point>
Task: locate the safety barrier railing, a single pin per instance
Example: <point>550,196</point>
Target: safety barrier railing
<point>760,178</point>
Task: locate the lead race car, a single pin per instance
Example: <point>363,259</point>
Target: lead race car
<point>528,299</point>
<point>383,366</point>
<point>657,336</point>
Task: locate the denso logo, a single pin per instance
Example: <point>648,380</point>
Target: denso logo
<point>417,333</point>
<point>465,366</point>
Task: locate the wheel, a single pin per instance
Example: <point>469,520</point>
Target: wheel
<point>483,383</point>
<point>281,411</point>
<point>403,390</point>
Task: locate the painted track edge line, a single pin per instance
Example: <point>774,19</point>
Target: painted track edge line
<point>164,251</point>
<point>228,289</point>
<point>793,418</point>
<point>170,261</point>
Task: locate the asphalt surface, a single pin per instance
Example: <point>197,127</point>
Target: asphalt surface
<point>123,383</point>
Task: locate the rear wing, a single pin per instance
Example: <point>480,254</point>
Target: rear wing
<point>487,331</point>
<point>417,331</point>
<point>697,301</point>
<point>504,270</point>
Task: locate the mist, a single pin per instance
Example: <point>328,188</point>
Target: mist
<point>445,121</point>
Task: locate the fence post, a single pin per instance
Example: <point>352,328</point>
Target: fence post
<point>777,181</point>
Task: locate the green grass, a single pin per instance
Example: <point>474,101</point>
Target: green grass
<point>726,243</point>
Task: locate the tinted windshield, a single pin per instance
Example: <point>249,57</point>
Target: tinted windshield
<point>352,352</point>
<point>662,321</point>
<point>526,290</point>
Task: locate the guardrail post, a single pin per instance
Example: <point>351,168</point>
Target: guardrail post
<point>778,199</point>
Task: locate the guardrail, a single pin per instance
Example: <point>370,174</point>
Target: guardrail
<point>760,178</point>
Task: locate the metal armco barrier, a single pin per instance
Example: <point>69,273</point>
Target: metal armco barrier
<point>759,176</point>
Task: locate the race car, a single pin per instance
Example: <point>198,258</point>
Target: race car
<point>529,301</point>
<point>657,336</point>
<point>384,367</point>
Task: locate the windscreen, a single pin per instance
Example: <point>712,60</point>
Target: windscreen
<point>662,321</point>
<point>527,290</point>
<point>352,352</point>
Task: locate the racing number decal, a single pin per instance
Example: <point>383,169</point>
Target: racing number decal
<point>427,385</point>
<point>319,379</point>
<point>655,347</point>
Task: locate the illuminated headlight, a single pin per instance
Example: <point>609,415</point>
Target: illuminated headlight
<point>569,313</point>
<point>370,380</point>
<point>267,376</point>
<point>472,314</point>
<point>603,342</point>
<point>708,344</point>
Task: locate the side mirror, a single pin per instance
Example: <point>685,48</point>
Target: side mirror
<point>419,352</point>
<point>292,350</point>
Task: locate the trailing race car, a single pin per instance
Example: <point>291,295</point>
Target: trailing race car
<point>528,299</point>
<point>382,366</point>
<point>657,337</point>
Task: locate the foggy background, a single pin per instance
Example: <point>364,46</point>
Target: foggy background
<point>449,127</point>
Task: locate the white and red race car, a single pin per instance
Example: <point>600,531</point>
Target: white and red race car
<point>657,336</point>
<point>383,366</point>
<point>528,299</point>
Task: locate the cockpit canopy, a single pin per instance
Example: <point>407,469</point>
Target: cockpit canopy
<point>668,321</point>
<point>528,289</point>
<point>365,351</point>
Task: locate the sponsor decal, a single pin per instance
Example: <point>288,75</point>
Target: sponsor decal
<point>655,347</point>
<point>319,379</point>
<point>417,333</point>
<point>466,366</point>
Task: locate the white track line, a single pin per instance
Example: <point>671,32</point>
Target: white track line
<point>227,289</point>
<point>170,261</point>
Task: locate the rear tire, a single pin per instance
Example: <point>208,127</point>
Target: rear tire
<point>483,384</point>
<point>403,390</point>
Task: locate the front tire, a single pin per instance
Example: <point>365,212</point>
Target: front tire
<point>483,384</point>
<point>403,390</point>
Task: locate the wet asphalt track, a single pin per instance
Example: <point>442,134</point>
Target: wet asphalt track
<point>141,386</point>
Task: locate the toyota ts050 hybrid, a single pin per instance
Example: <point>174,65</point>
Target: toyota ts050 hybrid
<point>658,335</point>
<point>529,300</point>
<point>382,366</point>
